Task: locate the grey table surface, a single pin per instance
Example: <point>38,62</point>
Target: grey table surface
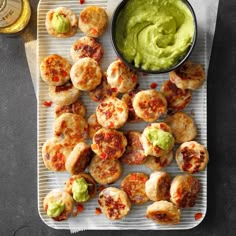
<point>18,173</point>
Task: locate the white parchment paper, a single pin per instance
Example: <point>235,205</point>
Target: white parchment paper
<point>206,27</point>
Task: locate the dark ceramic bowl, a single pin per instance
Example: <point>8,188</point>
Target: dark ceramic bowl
<point>131,65</point>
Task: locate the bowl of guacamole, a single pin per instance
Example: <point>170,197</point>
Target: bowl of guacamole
<point>154,36</point>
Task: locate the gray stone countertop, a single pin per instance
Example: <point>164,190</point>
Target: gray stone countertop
<point>18,168</point>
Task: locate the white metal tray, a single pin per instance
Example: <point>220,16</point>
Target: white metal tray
<point>48,180</point>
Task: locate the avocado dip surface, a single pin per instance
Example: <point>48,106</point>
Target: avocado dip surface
<point>154,34</point>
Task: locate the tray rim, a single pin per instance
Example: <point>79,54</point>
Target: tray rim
<point>110,227</point>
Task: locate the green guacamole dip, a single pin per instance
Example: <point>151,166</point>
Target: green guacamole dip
<point>80,190</point>
<point>55,208</point>
<point>160,138</point>
<point>60,23</point>
<point>154,34</point>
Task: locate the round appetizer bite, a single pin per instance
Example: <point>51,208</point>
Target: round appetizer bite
<point>109,143</point>
<point>71,128</point>
<point>184,191</point>
<point>55,70</point>
<point>78,159</point>
<point>134,185</point>
<point>112,113</point>
<point>54,154</point>
<point>86,74</point>
<point>64,94</point>
<point>183,127</point>
<point>114,203</point>
<point>188,76</point>
<point>76,108</point>
<point>58,205</point>
<point>157,163</point>
<point>86,47</point>
<point>177,99</point>
<point>61,22</point>
<point>121,77</point>
<point>93,21</point>
<point>163,212</point>
<point>103,90</point>
<point>157,139</point>
<point>134,154</point>
<point>149,105</point>
<point>191,157</point>
<point>105,171</point>
<point>93,125</point>
<point>128,99</point>
<point>158,186</point>
<point>82,187</point>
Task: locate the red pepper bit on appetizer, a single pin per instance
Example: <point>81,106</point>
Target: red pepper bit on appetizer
<point>47,103</point>
<point>94,146</point>
<point>132,177</point>
<point>103,155</point>
<point>198,216</point>
<point>64,73</point>
<point>93,31</point>
<point>114,89</point>
<point>153,85</point>
<point>98,211</point>
<point>79,209</point>
<point>111,125</point>
<point>55,79</point>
